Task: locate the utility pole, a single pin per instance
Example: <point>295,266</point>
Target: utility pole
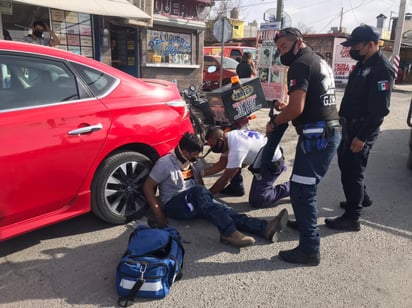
<point>340,23</point>
<point>399,29</point>
<point>279,12</point>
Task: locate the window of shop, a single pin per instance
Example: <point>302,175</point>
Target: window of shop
<point>169,47</point>
<point>73,29</point>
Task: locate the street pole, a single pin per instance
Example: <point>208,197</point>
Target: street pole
<point>279,12</point>
<point>399,29</point>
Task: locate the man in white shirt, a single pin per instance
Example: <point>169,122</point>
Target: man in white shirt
<point>240,148</point>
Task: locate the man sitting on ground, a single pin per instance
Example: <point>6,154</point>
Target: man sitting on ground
<point>183,197</point>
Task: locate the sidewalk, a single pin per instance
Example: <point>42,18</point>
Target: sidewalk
<point>403,87</point>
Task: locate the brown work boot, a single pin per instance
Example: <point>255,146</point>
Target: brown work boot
<point>237,239</point>
<point>275,226</point>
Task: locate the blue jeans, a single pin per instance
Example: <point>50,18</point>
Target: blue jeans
<point>308,170</point>
<point>198,202</point>
<point>352,167</point>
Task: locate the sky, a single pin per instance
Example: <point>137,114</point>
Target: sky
<point>321,15</point>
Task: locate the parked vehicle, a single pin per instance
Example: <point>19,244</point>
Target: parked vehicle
<point>233,51</point>
<point>229,70</point>
<point>76,136</point>
<point>409,122</point>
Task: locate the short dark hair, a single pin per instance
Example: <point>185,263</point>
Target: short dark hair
<point>191,143</point>
<point>213,132</point>
<point>38,23</point>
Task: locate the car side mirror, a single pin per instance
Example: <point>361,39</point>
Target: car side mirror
<point>211,69</point>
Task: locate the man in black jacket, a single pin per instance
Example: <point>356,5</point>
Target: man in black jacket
<point>364,105</point>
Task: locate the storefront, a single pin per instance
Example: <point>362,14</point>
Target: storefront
<point>82,28</point>
<point>173,48</point>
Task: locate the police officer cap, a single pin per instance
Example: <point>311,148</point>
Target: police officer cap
<point>362,33</point>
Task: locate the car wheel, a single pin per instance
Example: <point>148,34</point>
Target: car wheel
<point>117,195</point>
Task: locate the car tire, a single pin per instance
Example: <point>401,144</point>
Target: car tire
<point>116,192</point>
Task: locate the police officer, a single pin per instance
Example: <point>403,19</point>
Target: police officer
<point>312,110</point>
<point>364,105</point>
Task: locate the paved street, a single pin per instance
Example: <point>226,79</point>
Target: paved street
<point>73,263</point>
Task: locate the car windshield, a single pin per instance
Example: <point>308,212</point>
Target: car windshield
<point>252,51</point>
<point>228,63</point>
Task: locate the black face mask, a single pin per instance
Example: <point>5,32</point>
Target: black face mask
<point>38,34</point>
<point>355,55</point>
<point>218,148</point>
<point>288,58</point>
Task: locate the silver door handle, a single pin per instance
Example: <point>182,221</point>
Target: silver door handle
<point>86,130</point>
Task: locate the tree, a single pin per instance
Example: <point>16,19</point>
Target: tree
<point>305,29</point>
<point>223,8</point>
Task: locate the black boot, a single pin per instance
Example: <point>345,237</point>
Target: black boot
<point>297,256</point>
<point>365,203</point>
<point>343,223</point>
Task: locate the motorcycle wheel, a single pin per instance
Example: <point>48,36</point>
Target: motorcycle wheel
<point>197,119</point>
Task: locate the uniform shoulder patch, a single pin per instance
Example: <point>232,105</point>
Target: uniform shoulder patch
<point>383,85</point>
<point>292,83</point>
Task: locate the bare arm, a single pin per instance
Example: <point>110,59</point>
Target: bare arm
<point>54,40</point>
<point>149,187</point>
<point>217,167</point>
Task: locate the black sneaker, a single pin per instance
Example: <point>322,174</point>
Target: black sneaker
<point>365,203</point>
<point>297,256</point>
<point>343,223</point>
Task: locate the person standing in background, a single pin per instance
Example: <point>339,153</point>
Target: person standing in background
<point>246,68</point>
<point>37,36</point>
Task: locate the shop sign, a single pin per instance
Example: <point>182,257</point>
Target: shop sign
<point>342,62</point>
<point>169,47</point>
<point>74,30</point>
<point>183,8</point>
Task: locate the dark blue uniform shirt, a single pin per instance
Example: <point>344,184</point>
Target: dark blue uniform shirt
<point>367,94</point>
<point>312,74</point>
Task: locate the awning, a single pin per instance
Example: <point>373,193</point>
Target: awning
<point>119,8</point>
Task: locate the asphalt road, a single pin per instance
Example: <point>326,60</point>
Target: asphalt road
<point>74,263</point>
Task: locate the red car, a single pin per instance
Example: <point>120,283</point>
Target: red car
<point>211,80</point>
<point>77,135</point>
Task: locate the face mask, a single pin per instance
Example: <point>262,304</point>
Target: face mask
<point>218,148</point>
<point>192,159</point>
<point>355,55</point>
<point>288,58</point>
<point>38,34</point>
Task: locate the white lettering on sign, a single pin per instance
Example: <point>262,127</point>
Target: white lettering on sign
<point>246,107</point>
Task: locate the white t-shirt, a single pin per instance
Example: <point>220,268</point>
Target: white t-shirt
<point>243,146</point>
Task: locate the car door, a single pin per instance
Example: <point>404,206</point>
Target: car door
<point>50,135</point>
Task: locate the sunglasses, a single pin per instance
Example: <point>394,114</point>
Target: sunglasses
<point>288,32</point>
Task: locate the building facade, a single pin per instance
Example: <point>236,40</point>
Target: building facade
<point>165,41</point>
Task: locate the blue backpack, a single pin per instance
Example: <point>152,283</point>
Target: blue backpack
<point>152,262</point>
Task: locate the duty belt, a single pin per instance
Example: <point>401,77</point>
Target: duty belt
<point>329,126</point>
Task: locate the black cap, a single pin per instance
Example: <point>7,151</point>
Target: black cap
<point>362,33</point>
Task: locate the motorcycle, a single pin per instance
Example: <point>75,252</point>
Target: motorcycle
<point>209,110</point>
<point>201,114</point>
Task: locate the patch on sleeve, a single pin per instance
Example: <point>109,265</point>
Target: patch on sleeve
<point>383,85</point>
<point>292,83</point>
